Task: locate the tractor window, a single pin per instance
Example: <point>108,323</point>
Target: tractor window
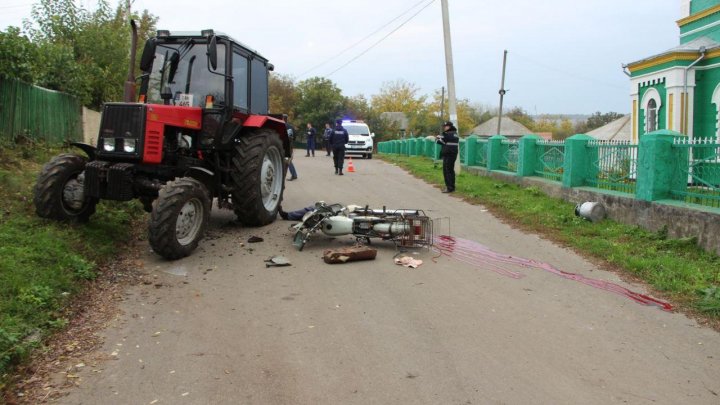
<point>259,89</point>
<point>240,81</point>
<point>189,82</point>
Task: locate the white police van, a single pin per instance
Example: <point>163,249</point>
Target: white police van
<point>361,139</point>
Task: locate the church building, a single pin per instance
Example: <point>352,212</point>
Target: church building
<point>680,89</point>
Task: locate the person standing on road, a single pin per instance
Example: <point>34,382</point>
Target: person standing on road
<point>291,134</point>
<point>326,137</point>
<point>338,139</point>
<point>311,132</point>
<point>449,152</point>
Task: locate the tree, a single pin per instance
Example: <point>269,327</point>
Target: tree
<point>17,55</point>
<point>74,50</point>
<point>398,96</point>
<point>566,129</point>
<point>319,101</point>
<point>519,115</point>
<point>283,94</point>
<point>599,119</point>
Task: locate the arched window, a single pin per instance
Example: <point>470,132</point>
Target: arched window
<point>651,104</point>
<point>716,101</point>
<point>651,116</point>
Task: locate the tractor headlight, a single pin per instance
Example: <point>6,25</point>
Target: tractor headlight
<point>109,144</point>
<point>129,145</point>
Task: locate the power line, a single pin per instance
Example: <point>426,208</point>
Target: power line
<point>362,40</point>
<point>381,39</point>
<point>567,73</point>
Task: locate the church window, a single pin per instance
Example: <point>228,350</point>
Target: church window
<point>651,116</point>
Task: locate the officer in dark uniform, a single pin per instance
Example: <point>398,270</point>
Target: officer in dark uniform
<point>338,139</point>
<point>449,152</point>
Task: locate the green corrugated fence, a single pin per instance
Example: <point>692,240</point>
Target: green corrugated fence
<point>37,113</point>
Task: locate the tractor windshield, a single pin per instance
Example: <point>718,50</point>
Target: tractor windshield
<point>180,75</point>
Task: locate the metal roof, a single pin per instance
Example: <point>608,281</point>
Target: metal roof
<point>220,34</point>
<point>509,127</point>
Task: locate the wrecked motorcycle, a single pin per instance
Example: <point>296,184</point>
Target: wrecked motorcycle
<point>405,228</point>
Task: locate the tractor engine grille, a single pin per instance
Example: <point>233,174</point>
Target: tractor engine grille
<point>121,121</point>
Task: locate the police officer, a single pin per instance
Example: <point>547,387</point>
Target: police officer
<point>291,134</point>
<point>449,152</point>
<point>338,139</point>
<point>326,137</point>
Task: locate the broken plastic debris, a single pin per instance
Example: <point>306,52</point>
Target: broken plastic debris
<point>255,239</point>
<point>407,261</point>
<point>277,261</point>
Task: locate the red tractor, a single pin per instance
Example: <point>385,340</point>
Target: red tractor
<point>200,130</point>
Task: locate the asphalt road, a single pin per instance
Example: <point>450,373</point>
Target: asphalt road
<point>223,329</point>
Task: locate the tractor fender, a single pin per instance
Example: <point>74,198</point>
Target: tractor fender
<point>88,149</point>
<point>272,123</point>
<point>203,175</point>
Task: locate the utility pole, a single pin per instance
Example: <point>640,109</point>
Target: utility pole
<point>452,104</point>
<point>442,106</point>
<point>502,92</point>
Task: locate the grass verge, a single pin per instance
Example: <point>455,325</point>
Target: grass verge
<point>677,267</point>
<point>44,264</point>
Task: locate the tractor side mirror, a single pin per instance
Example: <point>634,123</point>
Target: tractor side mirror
<point>212,52</point>
<point>148,55</point>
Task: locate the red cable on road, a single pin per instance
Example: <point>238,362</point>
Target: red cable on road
<point>478,255</point>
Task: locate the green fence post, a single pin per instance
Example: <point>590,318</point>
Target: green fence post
<point>418,146</point>
<point>527,155</point>
<point>578,164</point>
<point>495,151</point>
<point>471,150</point>
<point>411,147</point>
<point>661,168</point>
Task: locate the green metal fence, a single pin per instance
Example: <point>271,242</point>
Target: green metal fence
<point>672,166</point>
<point>481,153</point>
<point>550,159</point>
<point>461,150</point>
<point>614,165</point>
<point>37,113</point>
<point>703,172</point>
<point>509,160</point>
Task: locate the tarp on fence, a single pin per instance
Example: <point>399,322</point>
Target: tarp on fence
<point>38,113</point>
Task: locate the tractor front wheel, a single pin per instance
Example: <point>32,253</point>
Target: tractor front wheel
<point>179,217</point>
<point>59,192</point>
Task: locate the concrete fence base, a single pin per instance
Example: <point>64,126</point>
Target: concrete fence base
<point>679,220</point>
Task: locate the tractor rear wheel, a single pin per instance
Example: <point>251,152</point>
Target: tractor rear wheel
<point>59,192</point>
<point>179,217</point>
<point>258,177</point>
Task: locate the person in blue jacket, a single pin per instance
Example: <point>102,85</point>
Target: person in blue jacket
<point>310,135</point>
<point>449,152</point>
<point>291,134</point>
<point>338,139</point>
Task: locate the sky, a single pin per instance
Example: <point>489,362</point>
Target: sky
<point>564,56</point>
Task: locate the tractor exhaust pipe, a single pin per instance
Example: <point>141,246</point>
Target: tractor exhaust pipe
<point>129,93</point>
